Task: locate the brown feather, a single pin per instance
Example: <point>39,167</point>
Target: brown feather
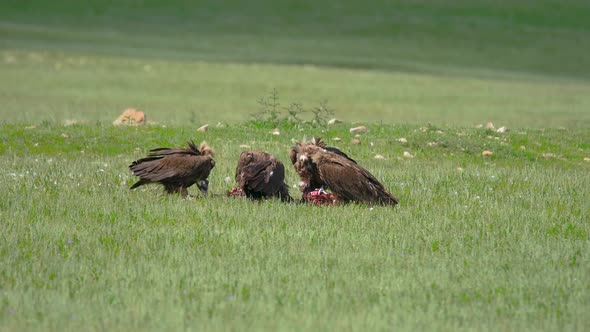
<point>261,175</point>
<point>321,166</point>
<point>176,169</point>
<point>306,169</point>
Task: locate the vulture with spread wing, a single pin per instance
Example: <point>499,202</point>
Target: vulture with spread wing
<point>260,175</point>
<point>175,168</point>
<point>324,167</point>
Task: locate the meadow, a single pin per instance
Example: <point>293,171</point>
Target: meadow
<point>497,242</point>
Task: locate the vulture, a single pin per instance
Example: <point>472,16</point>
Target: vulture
<point>175,168</point>
<point>324,167</point>
<point>308,173</point>
<point>260,175</point>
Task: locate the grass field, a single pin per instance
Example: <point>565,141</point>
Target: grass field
<point>477,243</point>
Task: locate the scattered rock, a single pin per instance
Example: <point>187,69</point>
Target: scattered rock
<point>334,121</point>
<point>479,126</point>
<point>408,155</point>
<point>64,135</point>
<point>244,146</point>
<point>378,156</point>
<point>132,117</point>
<point>357,136</point>
<point>359,129</point>
<point>502,130</point>
<point>355,141</point>
<point>402,139</point>
<point>490,126</point>
<point>276,132</point>
<point>431,144</point>
<point>587,159</point>
<point>203,128</point>
<point>220,125</point>
<point>460,169</point>
<point>372,144</point>
<point>71,122</point>
<point>548,155</point>
<point>522,147</point>
<point>337,139</point>
<point>439,132</point>
<point>30,127</point>
<point>487,153</point>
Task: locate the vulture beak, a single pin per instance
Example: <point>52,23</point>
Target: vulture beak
<point>203,186</point>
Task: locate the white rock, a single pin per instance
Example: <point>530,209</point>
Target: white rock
<point>378,156</point>
<point>402,139</point>
<point>203,128</point>
<point>408,155</point>
<point>359,129</point>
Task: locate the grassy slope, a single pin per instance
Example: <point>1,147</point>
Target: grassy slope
<point>47,86</point>
<point>502,244</point>
<point>466,62</point>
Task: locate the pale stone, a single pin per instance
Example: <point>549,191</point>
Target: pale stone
<point>487,153</point>
<point>378,156</point>
<point>203,128</point>
<point>334,121</point>
<point>402,139</point>
<point>359,129</point>
<point>490,126</point>
<point>408,155</point>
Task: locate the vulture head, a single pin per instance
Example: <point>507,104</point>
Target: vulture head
<point>203,186</point>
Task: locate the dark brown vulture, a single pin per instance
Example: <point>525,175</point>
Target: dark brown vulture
<point>175,168</point>
<point>308,173</point>
<point>260,175</point>
<point>329,168</point>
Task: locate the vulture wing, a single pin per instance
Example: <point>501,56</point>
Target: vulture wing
<point>350,181</point>
<point>265,177</point>
<point>177,169</point>
<point>259,174</point>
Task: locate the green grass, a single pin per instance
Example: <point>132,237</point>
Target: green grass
<point>502,243</point>
<point>522,64</point>
<point>477,243</point>
<point>47,86</point>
